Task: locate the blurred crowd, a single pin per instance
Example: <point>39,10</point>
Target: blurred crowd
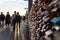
<point>40,19</point>
<point>10,20</point>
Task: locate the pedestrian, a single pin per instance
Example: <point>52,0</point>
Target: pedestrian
<point>7,21</point>
<point>14,20</point>
<point>24,18</point>
<point>18,17</point>
<point>2,19</point>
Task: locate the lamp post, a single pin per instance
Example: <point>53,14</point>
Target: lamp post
<point>26,12</point>
<point>30,4</point>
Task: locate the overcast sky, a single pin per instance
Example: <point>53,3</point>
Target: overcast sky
<point>11,5</point>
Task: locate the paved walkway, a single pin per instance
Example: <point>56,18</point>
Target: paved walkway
<point>7,33</point>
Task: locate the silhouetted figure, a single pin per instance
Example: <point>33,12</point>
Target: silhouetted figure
<point>18,17</point>
<point>2,18</point>
<point>7,21</point>
<point>14,20</point>
<point>24,18</point>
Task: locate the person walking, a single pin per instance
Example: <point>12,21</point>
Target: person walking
<point>2,19</point>
<point>14,20</point>
<point>18,17</point>
<point>7,21</point>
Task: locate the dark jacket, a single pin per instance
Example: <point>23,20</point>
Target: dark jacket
<point>2,17</point>
<point>18,18</point>
<point>7,18</point>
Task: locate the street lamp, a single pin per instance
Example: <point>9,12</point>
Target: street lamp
<point>26,12</point>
